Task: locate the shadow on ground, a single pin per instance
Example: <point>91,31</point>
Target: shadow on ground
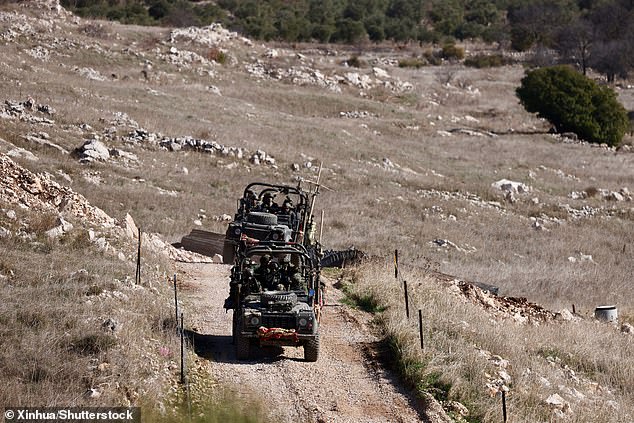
<point>220,348</point>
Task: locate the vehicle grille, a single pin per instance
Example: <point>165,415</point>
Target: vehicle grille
<point>283,321</point>
<point>260,234</point>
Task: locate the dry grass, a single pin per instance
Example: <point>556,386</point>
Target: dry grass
<point>439,188</point>
<point>56,297</point>
<point>585,362</point>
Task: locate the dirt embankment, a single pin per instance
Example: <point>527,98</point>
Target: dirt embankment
<point>346,384</point>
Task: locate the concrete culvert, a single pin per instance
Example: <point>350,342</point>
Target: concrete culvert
<point>606,313</point>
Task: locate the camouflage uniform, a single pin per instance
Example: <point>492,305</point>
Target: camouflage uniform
<point>249,282</point>
<point>268,205</point>
<point>250,201</point>
<point>261,272</point>
<point>291,278</point>
<point>267,274</point>
<point>237,291</point>
<point>296,282</point>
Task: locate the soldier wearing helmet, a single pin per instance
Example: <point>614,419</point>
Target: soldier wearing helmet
<point>290,276</point>
<point>268,204</point>
<point>250,201</point>
<point>287,209</point>
<point>262,272</point>
<point>249,281</point>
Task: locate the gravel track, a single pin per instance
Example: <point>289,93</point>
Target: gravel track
<point>346,384</point>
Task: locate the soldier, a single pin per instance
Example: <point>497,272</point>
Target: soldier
<point>295,277</point>
<point>262,271</point>
<point>249,282</point>
<point>246,285</point>
<point>291,277</point>
<point>250,201</point>
<point>287,209</point>
<point>273,282</point>
<point>268,205</point>
<point>267,274</point>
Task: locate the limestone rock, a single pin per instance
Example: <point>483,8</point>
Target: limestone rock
<point>59,230</point>
<point>433,410</point>
<point>511,186</point>
<point>566,315</point>
<point>4,232</point>
<point>125,155</point>
<point>380,73</point>
<point>556,401</point>
<point>131,229</point>
<point>21,152</point>
<point>93,150</point>
<point>615,196</point>
<point>456,407</point>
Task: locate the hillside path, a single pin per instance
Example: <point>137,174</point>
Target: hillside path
<point>346,384</point>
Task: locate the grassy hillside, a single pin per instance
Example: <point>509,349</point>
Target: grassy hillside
<point>409,154</point>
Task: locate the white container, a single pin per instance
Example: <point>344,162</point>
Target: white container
<point>606,313</point>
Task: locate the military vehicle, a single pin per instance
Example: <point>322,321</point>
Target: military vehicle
<point>260,218</point>
<point>276,297</point>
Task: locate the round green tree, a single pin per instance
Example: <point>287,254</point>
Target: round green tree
<point>574,103</point>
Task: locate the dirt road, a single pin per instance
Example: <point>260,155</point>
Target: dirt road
<point>346,384</point>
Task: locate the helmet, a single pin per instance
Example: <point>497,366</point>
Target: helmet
<point>265,259</point>
<point>286,258</point>
<point>248,271</point>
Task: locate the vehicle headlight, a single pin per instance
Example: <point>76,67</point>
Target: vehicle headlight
<point>236,231</point>
<point>275,236</point>
<point>303,321</point>
<point>254,321</point>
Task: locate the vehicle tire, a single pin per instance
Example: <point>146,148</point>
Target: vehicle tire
<point>243,347</point>
<point>228,253</point>
<point>262,218</point>
<point>278,297</point>
<point>311,349</point>
<point>234,327</point>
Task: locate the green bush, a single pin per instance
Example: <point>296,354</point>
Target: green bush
<point>413,62</point>
<point>486,61</point>
<point>432,57</point>
<point>355,62</point>
<point>452,51</point>
<point>574,103</point>
<point>217,55</point>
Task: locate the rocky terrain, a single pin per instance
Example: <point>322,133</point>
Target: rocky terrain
<point>104,127</point>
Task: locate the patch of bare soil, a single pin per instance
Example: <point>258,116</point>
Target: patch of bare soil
<point>347,384</point>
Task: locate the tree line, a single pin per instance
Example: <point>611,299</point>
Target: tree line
<point>596,34</point>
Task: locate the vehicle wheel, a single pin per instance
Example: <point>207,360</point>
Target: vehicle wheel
<point>278,297</point>
<point>243,347</point>
<point>234,328</point>
<point>228,253</point>
<point>262,218</point>
<point>311,349</point>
